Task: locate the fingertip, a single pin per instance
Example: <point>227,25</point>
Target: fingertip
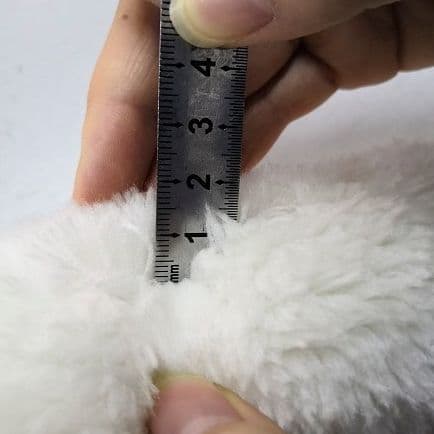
<point>190,405</point>
<point>220,23</point>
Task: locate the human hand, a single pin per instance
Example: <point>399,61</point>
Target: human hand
<point>188,405</point>
<point>119,133</point>
<point>301,53</point>
<point>315,47</point>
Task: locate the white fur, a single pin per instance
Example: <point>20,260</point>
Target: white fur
<point>317,307</point>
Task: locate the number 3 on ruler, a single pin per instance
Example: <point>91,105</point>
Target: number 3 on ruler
<point>204,123</point>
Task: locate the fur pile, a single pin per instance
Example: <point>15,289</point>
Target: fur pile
<point>317,307</point>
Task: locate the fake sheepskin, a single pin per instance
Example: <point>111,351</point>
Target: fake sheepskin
<point>318,307</point>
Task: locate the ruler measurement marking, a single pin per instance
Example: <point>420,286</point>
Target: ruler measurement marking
<point>199,160</point>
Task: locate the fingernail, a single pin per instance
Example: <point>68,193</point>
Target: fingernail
<point>189,405</point>
<point>219,22</point>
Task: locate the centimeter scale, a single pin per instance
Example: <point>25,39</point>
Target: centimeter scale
<point>201,113</point>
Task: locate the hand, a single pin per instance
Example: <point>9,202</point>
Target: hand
<point>301,53</point>
<point>192,406</point>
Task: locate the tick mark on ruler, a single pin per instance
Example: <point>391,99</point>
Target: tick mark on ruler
<point>228,68</point>
<point>173,181</point>
<point>178,65</point>
<point>175,125</point>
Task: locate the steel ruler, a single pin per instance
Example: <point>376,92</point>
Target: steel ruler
<point>200,127</point>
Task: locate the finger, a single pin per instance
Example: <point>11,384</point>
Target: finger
<point>360,51</point>
<point>304,85</point>
<point>212,23</point>
<point>191,405</point>
<point>265,61</point>
<point>251,415</point>
<point>119,130</point>
<point>415,20</point>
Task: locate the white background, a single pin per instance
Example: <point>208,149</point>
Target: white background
<point>47,52</point>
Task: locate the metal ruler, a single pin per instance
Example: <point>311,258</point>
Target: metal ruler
<point>200,126</point>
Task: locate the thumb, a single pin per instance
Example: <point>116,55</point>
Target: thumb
<point>212,23</point>
<point>190,405</point>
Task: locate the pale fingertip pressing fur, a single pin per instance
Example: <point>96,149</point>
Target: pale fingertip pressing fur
<point>317,306</point>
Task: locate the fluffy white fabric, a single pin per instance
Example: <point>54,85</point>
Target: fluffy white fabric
<point>317,307</point>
